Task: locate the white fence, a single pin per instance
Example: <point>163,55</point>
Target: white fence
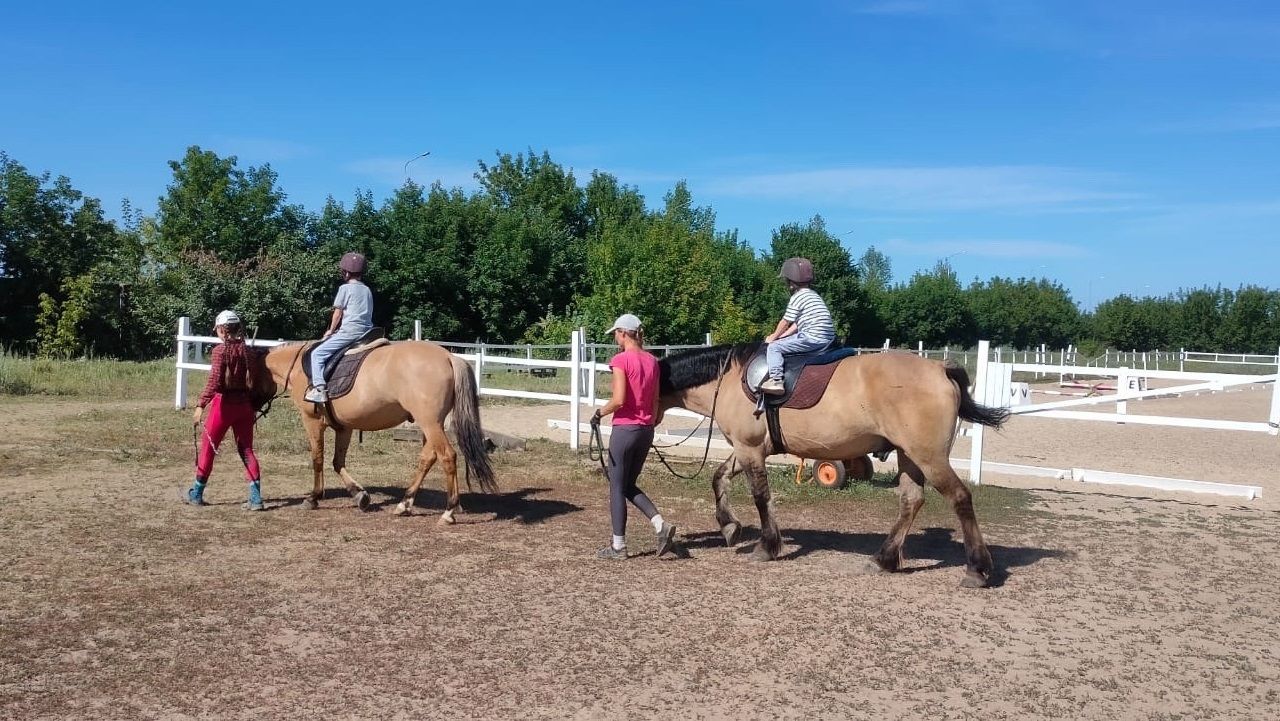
<point>994,387</point>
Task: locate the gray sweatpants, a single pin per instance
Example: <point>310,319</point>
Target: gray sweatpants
<point>628,448</point>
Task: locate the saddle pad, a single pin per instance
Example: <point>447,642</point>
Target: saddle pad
<point>809,387</point>
<point>343,376</point>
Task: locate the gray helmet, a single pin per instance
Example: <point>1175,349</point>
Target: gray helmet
<point>353,263</point>
<point>797,270</point>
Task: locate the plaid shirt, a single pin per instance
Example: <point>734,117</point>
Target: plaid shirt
<point>216,383</point>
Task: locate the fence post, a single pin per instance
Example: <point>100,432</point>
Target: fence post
<point>886,344</point>
<point>479,367</point>
<point>920,348</point>
<point>180,391</point>
<point>575,376</point>
<point>528,351</point>
<point>1274,419</point>
<point>709,338</point>
<point>417,330</point>
<point>591,378</point>
<point>975,429</point>
<point>1122,390</point>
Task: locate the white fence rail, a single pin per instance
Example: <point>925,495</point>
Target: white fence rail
<point>995,387</point>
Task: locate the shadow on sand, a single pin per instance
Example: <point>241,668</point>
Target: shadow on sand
<point>518,505</point>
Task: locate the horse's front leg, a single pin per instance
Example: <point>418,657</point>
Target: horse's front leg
<point>315,437</point>
<point>770,545</point>
<point>730,526</point>
<point>342,442</point>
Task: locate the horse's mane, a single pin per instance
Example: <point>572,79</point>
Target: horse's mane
<point>697,366</point>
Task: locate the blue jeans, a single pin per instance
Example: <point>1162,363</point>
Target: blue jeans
<point>797,344</point>
<point>329,346</point>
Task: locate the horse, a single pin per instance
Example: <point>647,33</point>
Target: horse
<point>408,380</point>
<point>874,402</point>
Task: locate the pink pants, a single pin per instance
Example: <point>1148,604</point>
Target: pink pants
<point>223,415</point>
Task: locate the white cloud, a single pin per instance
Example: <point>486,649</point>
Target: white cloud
<point>957,188</point>
<point>986,248</point>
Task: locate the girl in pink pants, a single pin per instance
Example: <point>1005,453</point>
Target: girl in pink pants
<point>227,396</point>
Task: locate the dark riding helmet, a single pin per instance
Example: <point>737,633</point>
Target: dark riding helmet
<point>797,270</point>
<point>353,263</point>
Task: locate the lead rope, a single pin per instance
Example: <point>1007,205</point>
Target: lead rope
<point>706,451</point>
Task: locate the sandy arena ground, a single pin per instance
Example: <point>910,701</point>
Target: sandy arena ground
<point>116,602</point>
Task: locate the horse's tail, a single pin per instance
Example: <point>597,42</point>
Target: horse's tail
<point>970,410</point>
<point>466,426</point>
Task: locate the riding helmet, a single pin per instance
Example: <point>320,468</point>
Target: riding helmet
<point>353,263</point>
<point>797,270</point>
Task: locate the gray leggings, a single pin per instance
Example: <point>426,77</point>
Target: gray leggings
<point>628,448</point>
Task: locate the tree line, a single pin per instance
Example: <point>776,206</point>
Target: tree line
<point>528,256</point>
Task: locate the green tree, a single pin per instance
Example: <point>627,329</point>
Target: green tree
<point>211,206</point>
<point>49,233</point>
<point>1023,313</point>
<point>932,308</point>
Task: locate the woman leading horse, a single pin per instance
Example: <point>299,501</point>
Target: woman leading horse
<point>873,403</point>
<point>408,380</point>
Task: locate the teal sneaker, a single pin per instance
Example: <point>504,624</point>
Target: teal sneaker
<point>255,497</point>
<point>195,495</point>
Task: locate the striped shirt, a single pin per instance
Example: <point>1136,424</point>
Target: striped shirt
<point>808,311</point>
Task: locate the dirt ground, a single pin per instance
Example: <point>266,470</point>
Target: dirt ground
<point>118,602</point>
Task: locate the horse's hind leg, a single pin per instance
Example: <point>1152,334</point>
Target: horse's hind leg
<point>449,459</point>
<point>770,545</point>
<point>426,459</point>
<point>730,526</point>
<point>315,437</point>
<point>978,565</point>
<point>342,442</point>
<point>910,498</point>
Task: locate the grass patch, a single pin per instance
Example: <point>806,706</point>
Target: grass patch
<point>23,376</point>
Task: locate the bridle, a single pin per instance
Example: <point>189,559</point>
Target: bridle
<point>285,390</point>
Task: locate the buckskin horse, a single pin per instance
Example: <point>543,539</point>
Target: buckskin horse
<point>874,402</point>
<point>407,380</point>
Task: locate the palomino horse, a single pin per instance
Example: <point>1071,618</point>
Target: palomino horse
<point>873,403</point>
<point>409,380</point>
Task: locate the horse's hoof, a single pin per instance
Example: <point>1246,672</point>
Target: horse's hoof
<point>310,504</point>
<point>731,532</point>
<point>403,509</point>
<point>761,554</point>
<point>973,580</point>
<point>362,500</point>
<point>446,519</point>
<point>871,568</point>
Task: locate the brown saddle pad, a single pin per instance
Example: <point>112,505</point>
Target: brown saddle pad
<point>344,374</point>
<point>810,386</point>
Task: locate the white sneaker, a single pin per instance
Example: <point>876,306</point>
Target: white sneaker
<point>317,395</point>
<point>772,387</point>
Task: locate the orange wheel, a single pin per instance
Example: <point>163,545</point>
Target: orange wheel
<point>829,474</point>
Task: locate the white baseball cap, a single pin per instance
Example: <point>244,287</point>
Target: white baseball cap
<point>626,321</point>
<point>227,317</point>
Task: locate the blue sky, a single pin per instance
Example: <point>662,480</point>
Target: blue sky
<point>1113,146</point>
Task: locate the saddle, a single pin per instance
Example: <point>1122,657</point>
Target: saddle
<point>805,377</point>
<point>340,372</point>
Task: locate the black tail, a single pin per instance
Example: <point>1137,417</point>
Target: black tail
<point>466,426</point>
<point>969,410</point>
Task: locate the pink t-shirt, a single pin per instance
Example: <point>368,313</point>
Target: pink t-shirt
<point>641,371</point>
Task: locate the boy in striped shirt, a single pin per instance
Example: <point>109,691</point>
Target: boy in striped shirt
<point>806,325</point>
